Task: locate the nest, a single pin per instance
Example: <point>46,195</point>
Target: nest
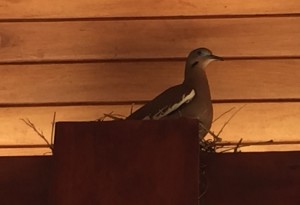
<point>211,143</point>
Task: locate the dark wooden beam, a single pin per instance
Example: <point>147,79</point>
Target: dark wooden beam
<point>232,178</point>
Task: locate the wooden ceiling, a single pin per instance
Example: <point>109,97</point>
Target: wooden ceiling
<point>81,59</point>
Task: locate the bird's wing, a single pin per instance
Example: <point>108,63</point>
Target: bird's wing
<point>165,103</point>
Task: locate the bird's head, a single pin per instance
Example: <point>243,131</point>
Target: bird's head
<point>201,57</point>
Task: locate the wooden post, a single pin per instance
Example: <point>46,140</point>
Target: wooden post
<point>126,162</point>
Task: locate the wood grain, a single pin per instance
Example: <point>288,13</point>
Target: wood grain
<point>100,40</point>
<point>255,122</point>
<point>32,9</point>
<point>270,178</point>
<point>140,81</point>
<point>251,178</point>
<point>25,180</point>
<point>110,163</point>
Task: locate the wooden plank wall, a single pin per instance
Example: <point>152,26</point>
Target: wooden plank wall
<point>81,59</point>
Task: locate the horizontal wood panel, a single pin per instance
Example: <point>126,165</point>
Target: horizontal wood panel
<point>139,81</point>
<point>25,152</point>
<point>117,8</point>
<point>271,148</point>
<point>47,41</point>
<point>255,122</point>
<point>252,148</point>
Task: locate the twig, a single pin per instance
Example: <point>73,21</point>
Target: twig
<point>131,108</point>
<point>102,118</point>
<point>53,129</point>
<point>207,145</point>
<point>224,113</point>
<point>40,133</point>
<point>228,149</point>
<point>112,116</point>
<point>226,123</point>
<point>212,145</point>
<point>216,137</point>
<point>240,144</point>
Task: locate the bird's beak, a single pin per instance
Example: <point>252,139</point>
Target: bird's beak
<point>216,58</point>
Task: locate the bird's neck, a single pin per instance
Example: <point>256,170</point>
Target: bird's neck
<point>196,78</point>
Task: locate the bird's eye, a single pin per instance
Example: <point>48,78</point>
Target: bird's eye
<point>199,52</point>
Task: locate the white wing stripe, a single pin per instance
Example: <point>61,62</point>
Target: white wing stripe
<point>168,109</point>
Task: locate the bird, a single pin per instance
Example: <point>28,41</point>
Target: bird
<point>190,99</point>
